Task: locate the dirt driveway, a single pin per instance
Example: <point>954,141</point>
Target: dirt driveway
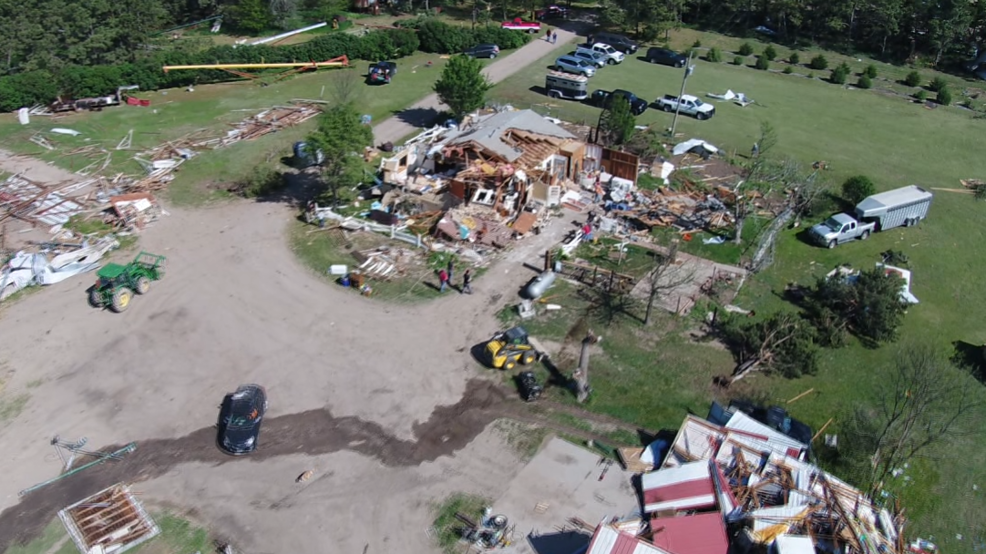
<point>381,400</point>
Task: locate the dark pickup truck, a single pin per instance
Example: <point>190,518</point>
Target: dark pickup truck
<point>604,99</point>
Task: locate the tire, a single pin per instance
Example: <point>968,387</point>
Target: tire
<point>865,235</point>
<point>492,56</point>
<point>554,94</point>
<point>95,299</point>
<point>509,365</point>
<point>667,108</point>
<point>143,285</point>
<point>832,244</point>
<point>611,61</point>
<point>528,358</point>
<point>701,116</point>
<point>679,65</point>
<point>651,60</point>
<point>121,299</point>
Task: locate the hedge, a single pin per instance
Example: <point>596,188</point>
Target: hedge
<point>438,37</point>
<point>41,87</point>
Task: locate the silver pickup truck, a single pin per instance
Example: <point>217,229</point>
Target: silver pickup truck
<point>840,228</point>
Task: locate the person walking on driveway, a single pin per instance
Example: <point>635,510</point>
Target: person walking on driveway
<point>466,280</point>
<point>554,37</point>
<point>547,36</point>
<point>451,266</point>
<point>443,280</point>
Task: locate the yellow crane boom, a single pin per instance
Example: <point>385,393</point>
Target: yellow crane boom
<point>341,61</point>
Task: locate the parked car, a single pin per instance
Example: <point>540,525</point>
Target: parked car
<point>595,58</point>
<point>578,66</point>
<point>551,12</point>
<point>483,51</point>
<point>519,24</point>
<point>565,85</point>
<point>240,417</point>
<point>604,99</point>
<point>690,105</point>
<point>613,56</point>
<point>664,56</point>
<point>620,42</point>
<point>901,207</point>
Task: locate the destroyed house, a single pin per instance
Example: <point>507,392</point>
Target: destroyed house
<point>511,157</point>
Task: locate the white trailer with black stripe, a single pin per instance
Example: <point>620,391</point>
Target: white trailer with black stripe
<point>905,206</point>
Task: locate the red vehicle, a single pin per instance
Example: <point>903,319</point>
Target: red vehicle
<point>519,24</point>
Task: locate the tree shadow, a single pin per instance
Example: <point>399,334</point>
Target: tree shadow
<point>420,117</point>
<point>299,187</point>
<point>970,357</point>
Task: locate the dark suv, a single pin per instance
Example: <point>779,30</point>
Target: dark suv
<point>240,417</point>
<point>664,56</point>
<point>620,42</point>
<point>483,51</point>
<point>604,99</point>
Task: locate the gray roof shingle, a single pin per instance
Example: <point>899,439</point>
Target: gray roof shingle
<point>488,133</point>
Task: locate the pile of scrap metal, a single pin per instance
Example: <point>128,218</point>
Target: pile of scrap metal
<point>66,259</point>
<point>683,209</point>
<point>746,487</point>
<point>385,263</point>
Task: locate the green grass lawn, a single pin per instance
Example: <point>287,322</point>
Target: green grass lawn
<point>654,377</point>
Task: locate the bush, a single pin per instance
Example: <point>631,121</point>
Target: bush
<point>944,96</point>
<point>745,49</point>
<point>697,44</point>
<point>864,82</point>
<point>838,76</point>
<point>438,37</point>
<point>762,63</point>
<point>856,188</point>
<point>870,71</point>
<point>913,79</point>
<point>819,63</point>
<point>738,60</point>
<point>788,70</point>
<point>794,58</point>
<point>921,96</point>
<point>770,53</point>
<point>714,55</point>
<point>937,84</point>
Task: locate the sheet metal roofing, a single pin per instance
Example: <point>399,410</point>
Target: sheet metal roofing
<point>694,534</point>
<point>488,133</point>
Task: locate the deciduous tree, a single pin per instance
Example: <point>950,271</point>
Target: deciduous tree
<point>341,138</point>
<point>868,306</point>
<point>462,86</point>
<point>617,122</point>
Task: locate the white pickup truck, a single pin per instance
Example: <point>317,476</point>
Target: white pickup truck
<point>610,54</point>
<point>690,105</point>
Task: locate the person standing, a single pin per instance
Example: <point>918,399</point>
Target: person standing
<point>466,282</point>
<point>554,37</point>
<point>448,269</point>
<point>547,36</point>
<point>443,280</point>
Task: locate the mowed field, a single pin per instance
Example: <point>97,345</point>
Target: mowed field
<point>878,133</point>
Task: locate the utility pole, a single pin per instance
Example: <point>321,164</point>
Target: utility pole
<point>688,71</point>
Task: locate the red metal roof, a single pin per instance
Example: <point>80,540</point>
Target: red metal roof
<point>679,491</point>
<point>695,534</point>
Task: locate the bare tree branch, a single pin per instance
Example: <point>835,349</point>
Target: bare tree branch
<point>666,275</point>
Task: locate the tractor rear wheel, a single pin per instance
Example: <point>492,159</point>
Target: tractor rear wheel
<point>143,285</point>
<point>95,299</point>
<point>121,299</point>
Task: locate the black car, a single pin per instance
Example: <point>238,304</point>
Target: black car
<point>620,42</point>
<point>551,12</point>
<point>240,418</point>
<point>604,99</point>
<point>664,56</point>
<point>483,51</point>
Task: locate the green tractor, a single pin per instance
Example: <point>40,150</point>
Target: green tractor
<point>117,283</point>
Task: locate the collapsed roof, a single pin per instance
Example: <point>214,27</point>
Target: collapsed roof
<point>494,134</point>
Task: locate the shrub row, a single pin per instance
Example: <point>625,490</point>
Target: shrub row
<point>41,87</point>
<point>438,37</point>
